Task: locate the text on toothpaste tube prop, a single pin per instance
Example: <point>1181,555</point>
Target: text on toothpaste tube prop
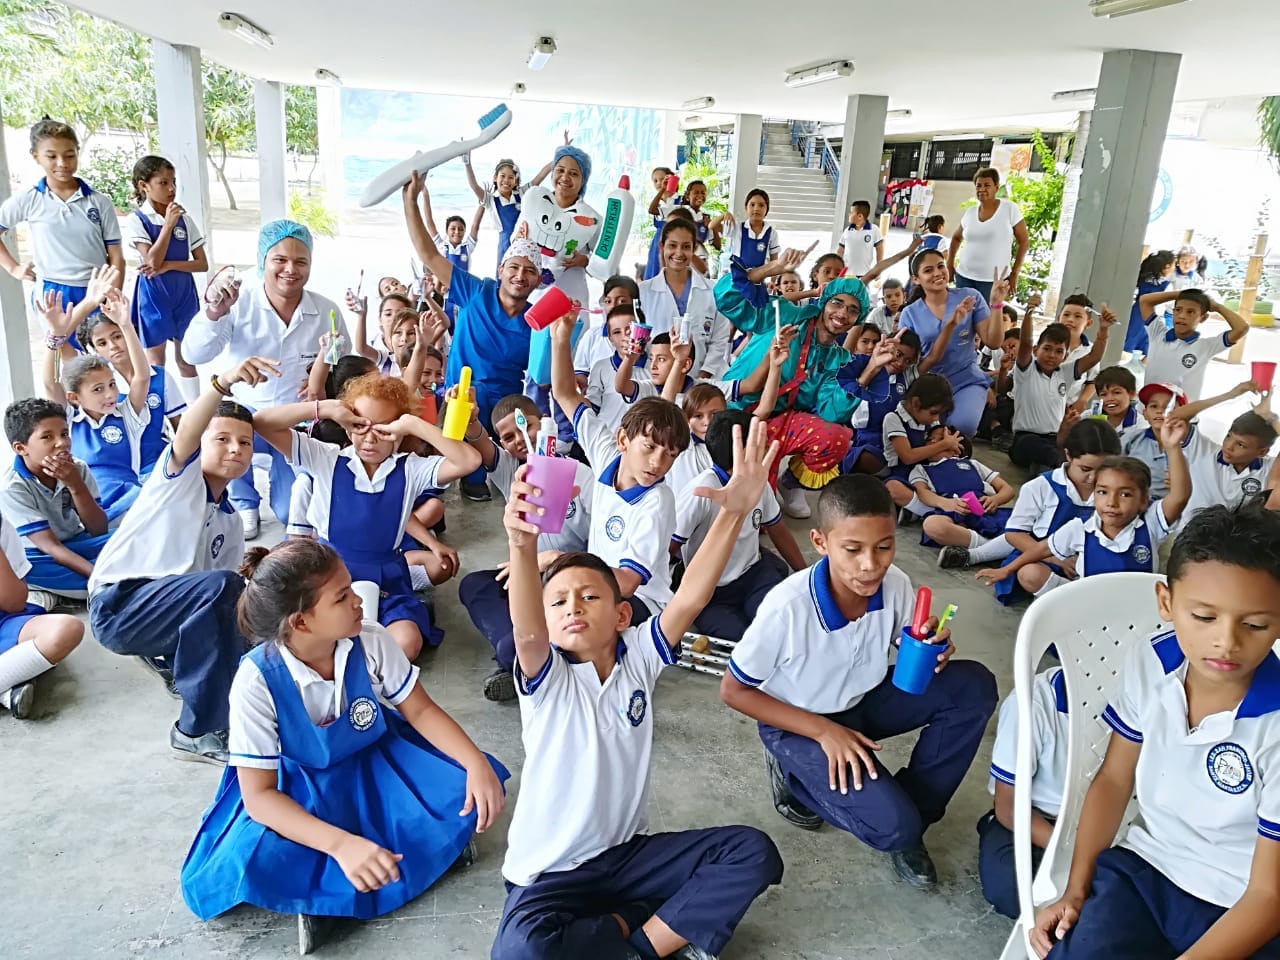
<point>394,178</point>
<point>619,212</point>
<point>547,437</point>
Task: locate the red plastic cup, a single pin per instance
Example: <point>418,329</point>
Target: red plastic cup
<point>673,184</point>
<point>975,505</point>
<point>554,477</point>
<point>549,308</point>
<point>1264,371</point>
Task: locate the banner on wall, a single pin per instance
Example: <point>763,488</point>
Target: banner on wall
<point>1010,158</point>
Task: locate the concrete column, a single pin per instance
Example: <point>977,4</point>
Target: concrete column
<point>273,183</point>
<point>671,139</point>
<point>860,155</point>
<point>1070,195</point>
<point>329,130</point>
<point>15,345</point>
<point>180,109</point>
<point>1120,164</point>
<point>747,129</point>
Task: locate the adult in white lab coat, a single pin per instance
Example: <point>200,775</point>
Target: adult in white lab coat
<point>679,292</point>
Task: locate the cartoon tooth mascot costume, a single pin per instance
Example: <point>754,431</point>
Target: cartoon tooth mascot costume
<point>564,228</point>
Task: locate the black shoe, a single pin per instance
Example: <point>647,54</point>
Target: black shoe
<point>788,807</point>
<point>159,667</point>
<point>915,867</point>
<point>207,748</point>
<point>22,700</point>
<point>500,686</point>
<point>478,492</point>
<point>467,857</point>
<point>952,558</point>
<point>439,528</point>
<point>1002,440</point>
<point>313,932</point>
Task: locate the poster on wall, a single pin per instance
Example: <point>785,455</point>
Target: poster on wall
<point>1010,158</point>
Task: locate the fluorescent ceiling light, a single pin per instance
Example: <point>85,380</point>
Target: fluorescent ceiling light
<point>701,103</point>
<point>246,31</point>
<point>819,74</point>
<point>1084,93</point>
<point>541,53</point>
<point>961,136</point>
<point>900,114</point>
<point>328,77</point>
<point>1122,8</point>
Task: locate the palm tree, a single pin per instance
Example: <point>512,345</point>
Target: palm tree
<point>1269,126</point>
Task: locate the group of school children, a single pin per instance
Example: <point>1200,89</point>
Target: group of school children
<point>698,413</point>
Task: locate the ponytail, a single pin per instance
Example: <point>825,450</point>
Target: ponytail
<point>282,583</point>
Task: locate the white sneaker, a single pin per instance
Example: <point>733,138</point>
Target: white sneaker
<point>791,496</point>
<point>42,598</point>
<point>252,524</point>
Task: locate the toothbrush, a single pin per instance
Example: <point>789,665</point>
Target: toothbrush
<point>950,611</point>
<point>523,426</point>
<point>777,319</point>
<point>392,179</point>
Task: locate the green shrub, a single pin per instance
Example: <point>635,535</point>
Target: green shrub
<point>108,170</point>
<point>310,211</point>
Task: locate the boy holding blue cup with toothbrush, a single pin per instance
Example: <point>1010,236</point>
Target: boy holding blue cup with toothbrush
<point>813,670</point>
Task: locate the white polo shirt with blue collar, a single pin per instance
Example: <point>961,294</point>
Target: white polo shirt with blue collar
<point>1141,443</point>
<point>1181,362</point>
<point>694,516</point>
<point>585,784</point>
<point>31,506</point>
<point>1205,795</point>
<point>1213,480</point>
<point>802,650</point>
<point>630,529</point>
<point>68,237</point>
<point>1050,732</point>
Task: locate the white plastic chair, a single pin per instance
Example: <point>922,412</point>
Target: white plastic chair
<point>1091,622</point>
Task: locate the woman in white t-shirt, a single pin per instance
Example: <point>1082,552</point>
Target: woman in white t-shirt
<point>988,232</point>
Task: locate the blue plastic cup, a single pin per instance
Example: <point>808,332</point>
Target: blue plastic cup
<point>917,659</point>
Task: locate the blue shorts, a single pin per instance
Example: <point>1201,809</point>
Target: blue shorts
<point>11,625</point>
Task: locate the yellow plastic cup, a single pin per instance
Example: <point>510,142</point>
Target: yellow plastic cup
<point>457,415</point>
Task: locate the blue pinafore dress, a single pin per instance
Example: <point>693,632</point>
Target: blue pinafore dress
<point>153,440</point>
<point>508,217</point>
<point>1009,590</point>
<point>955,477</point>
<point>367,772</point>
<point>1139,558</point>
<point>163,306</point>
<point>916,437</point>
<point>366,530</point>
<point>754,252</point>
<point>108,451</point>
<point>881,396</point>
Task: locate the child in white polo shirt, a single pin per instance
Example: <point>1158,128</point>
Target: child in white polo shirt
<point>582,875</point>
<point>751,572</point>
<point>1196,733</point>
<point>633,511</point>
<point>861,246</point>
<point>1180,355</point>
<point>165,588</point>
<point>484,592</point>
<point>1240,468</point>
<point>1042,380</point>
<point>1050,730</point>
<point>813,670</point>
<point>31,640</point>
<point>600,391</point>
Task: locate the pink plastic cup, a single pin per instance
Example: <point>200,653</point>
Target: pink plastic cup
<point>554,477</point>
<point>640,333</point>
<point>1264,371</point>
<point>673,184</point>
<point>975,505</point>
<point>551,306</point>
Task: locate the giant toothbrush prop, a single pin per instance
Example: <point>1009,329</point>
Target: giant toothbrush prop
<point>394,178</point>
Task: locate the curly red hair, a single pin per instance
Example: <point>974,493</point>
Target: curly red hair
<point>375,386</point>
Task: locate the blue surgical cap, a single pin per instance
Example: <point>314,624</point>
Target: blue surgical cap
<point>577,156</point>
<point>851,286</point>
<point>277,230</point>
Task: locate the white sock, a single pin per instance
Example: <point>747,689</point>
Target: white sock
<point>418,578</point>
<point>190,388</point>
<point>1053,581</point>
<point>989,550</point>
<point>19,664</point>
<point>917,506</point>
<point>976,539</point>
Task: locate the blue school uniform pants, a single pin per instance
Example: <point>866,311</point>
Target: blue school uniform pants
<point>488,606</point>
<point>48,574</point>
<point>1134,912</point>
<point>190,620</point>
<point>734,605</point>
<point>982,286</point>
<point>1031,449</point>
<point>704,879</point>
<point>996,866</point>
<point>244,495</point>
<point>892,812</point>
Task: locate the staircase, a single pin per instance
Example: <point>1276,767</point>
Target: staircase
<point>799,198</point>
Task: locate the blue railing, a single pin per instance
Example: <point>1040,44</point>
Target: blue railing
<point>815,150</point>
<point>830,164</point>
<point>761,160</point>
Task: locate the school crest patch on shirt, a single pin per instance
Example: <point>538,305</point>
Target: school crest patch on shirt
<point>572,509</point>
<point>362,713</point>
<point>1229,768</point>
<point>94,216</point>
<point>112,434</point>
<point>153,400</point>
<point>1251,485</point>
<point>1188,360</point>
<point>215,547</point>
<point>636,708</point>
<point>1141,554</point>
<point>757,517</point>
<point>614,526</point>
<point>179,233</point>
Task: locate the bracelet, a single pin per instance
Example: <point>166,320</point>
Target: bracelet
<point>53,342</point>
<point>470,439</point>
<point>216,382</point>
<point>317,417</point>
<point>998,306</point>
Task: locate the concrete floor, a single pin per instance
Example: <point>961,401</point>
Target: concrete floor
<point>98,816</point>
